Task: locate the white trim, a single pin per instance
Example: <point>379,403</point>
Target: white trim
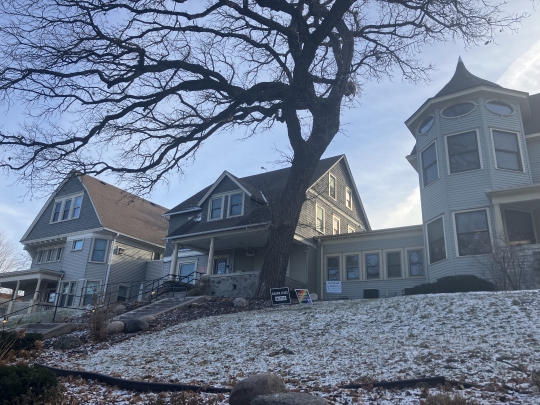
<point>530,136</point>
<point>421,160</point>
<point>533,219</point>
<point>385,261</point>
<point>209,217</point>
<point>334,218</point>
<point>330,175</point>
<point>73,245</point>
<point>364,265</point>
<point>223,175</point>
<point>488,220</point>
<point>427,240</point>
<point>229,205</point>
<point>448,151</point>
<point>345,274</point>
<point>350,229</point>
<point>514,109</point>
<point>340,267</point>
<point>53,252</point>
<point>182,212</point>
<point>407,263</point>
<point>92,251</point>
<point>348,193</point>
<point>83,290</point>
<point>332,206</point>
<point>429,129</point>
<point>317,206</point>
<point>441,113</point>
<point>517,134</point>
<point>379,234</point>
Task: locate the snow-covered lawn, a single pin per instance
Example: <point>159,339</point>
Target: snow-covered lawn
<point>471,337</point>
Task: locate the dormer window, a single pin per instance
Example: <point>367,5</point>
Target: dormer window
<point>216,208</point>
<point>67,208</point>
<point>348,198</point>
<point>226,205</point>
<point>332,186</point>
<point>236,204</point>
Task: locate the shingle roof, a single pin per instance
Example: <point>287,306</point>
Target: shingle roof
<point>462,80</point>
<point>532,126</point>
<point>126,213</point>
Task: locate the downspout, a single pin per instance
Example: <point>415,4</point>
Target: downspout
<point>322,267</point>
<point>109,266</point>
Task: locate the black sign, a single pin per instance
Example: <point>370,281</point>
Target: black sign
<point>280,296</point>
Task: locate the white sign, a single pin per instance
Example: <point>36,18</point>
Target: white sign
<point>333,287</point>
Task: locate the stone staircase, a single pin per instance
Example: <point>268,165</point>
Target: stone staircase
<point>159,307</point>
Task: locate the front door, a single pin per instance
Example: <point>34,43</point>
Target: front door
<point>220,266</point>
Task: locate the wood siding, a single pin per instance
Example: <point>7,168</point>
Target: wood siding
<point>533,147</point>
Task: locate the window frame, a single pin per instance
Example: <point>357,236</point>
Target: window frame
<point>514,109</point>
<point>331,176</point>
<point>533,218</point>
<point>456,240</point>
<point>340,266</point>
<point>73,245</point>
<point>365,267</point>
<point>350,229</point>
<point>520,150</point>
<point>424,185</point>
<point>457,103</point>
<point>334,219</point>
<point>421,122</point>
<point>105,256</point>
<point>401,262</point>
<point>427,240</point>
<point>40,253</point>
<point>448,152</point>
<point>317,206</point>
<point>229,204</point>
<point>65,297</point>
<point>62,201</point>
<point>424,262</point>
<point>195,266</point>
<point>212,198</point>
<point>348,198</point>
<point>360,271</point>
<point>83,292</point>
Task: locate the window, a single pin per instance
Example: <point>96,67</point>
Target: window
<point>319,220</point>
<point>332,186</point>
<point>91,290</point>
<point>122,293</point>
<point>458,110</point>
<point>335,225</point>
<point>350,229</point>
<point>77,207</point>
<point>99,250</point>
<point>348,198</point>
<point>507,153</point>
<point>77,244</point>
<point>499,108</point>
<point>67,293</point>
<point>50,255</point>
<point>40,256</point>
<point>216,205</point>
<point>59,252</point>
<point>373,269</point>
<point>352,267</point>
<point>426,125</point>
<point>57,209</point>
<point>416,262</point>
<point>463,154</point>
<point>430,169</point>
<point>187,272</point>
<point>519,226</point>
<point>332,267</point>
<point>67,208</point>
<point>393,265</point>
<point>472,233</point>
<point>235,204</point>
<point>437,245</point>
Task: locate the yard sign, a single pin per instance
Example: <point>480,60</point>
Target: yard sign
<point>303,296</point>
<point>280,296</point>
<point>333,287</point>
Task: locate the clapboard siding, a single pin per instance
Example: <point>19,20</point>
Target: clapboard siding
<point>298,264</point>
<point>533,148</point>
<point>175,221</point>
<point>242,262</point>
<point>129,266</point>
<point>154,270</point>
<point>74,262</point>
<point>312,274</point>
<point>226,185</point>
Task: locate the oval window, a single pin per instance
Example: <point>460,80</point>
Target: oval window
<point>426,125</point>
<point>457,110</point>
<point>500,108</point>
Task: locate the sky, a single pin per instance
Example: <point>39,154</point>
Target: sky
<point>373,137</point>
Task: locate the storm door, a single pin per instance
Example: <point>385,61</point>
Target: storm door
<point>220,266</point>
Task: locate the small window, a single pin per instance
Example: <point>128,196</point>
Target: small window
<point>56,213</point>
<point>520,227</point>
<point>122,293</point>
<point>40,256</point>
<point>373,268</point>
<point>416,263</point>
<point>348,198</point>
<point>458,110</point>
<point>352,266</point>
<point>77,207</point>
<point>430,169</point>
<point>50,255</point>
<point>77,244</point>
<point>235,204</point>
<point>332,265</point>
<point>319,221</point>
<point>437,245</point>
<point>67,208</point>
<point>99,250</point>
<point>499,108</point>
<point>463,154</point>
<point>332,186</point>
<point>59,253</point>
<point>350,229</point>
<point>507,153</point>
<point>426,125</point>
<point>216,205</point>
<point>472,233</point>
<point>335,226</point>
<point>393,264</point>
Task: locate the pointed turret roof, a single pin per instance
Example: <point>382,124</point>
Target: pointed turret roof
<point>462,80</point>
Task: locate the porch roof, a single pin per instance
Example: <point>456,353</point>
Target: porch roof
<point>30,275</point>
<point>514,194</point>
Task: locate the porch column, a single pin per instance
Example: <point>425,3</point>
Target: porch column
<point>499,226</point>
<point>210,266</point>
<point>174,261</point>
<point>15,292</point>
<point>36,297</point>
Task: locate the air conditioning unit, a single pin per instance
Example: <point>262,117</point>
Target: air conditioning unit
<point>250,252</point>
<point>119,251</point>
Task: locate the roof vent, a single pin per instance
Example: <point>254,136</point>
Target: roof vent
<point>102,182</point>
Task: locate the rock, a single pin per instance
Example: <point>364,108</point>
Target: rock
<point>148,318</point>
<point>240,302</point>
<point>314,297</point>
<point>115,327</point>
<point>111,315</point>
<point>194,292</point>
<point>118,309</point>
<point>68,342</point>
<point>290,398</point>
<point>258,384</point>
<point>135,325</point>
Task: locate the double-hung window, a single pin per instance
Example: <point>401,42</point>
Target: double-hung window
<point>332,186</point>
<point>352,265</point>
<point>216,208</point>
<point>373,265</point>
<point>393,265</point>
<point>472,232</point>
<point>77,244</point>
<point>332,268</point>
<point>235,204</point>
<point>336,224</point>
<point>67,208</point>
<point>416,262</point>
<point>319,220</point>
<point>56,212</point>
<point>430,170</point>
<point>463,153</point>
<point>99,250</point>
<point>77,207</point>
<point>436,241</point>
<point>41,254</point>
<point>507,152</point>
<point>348,198</point>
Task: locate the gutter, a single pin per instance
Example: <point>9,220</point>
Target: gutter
<point>217,230</point>
<point>109,265</point>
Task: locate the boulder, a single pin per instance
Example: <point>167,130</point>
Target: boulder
<point>193,292</point>
<point>148,318</point>
<point>115,327</point>
<point>289,398</point>
<point>111,315</point>
<point>135,325</point>
<point>118,309</point>
<point>258,384</point>
<point>314,297</point>
<point>67,343</point>
<point>240,302</point>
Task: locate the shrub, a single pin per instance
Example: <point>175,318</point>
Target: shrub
<point>20,381</point>
<point>98,324</point>
<point>452,284</point>
<point>27,342</point>
<point>444,399</point>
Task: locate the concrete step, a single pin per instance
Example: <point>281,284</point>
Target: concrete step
<point>158,308</point>
<point>49,330</point>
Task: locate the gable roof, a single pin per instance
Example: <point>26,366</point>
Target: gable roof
<point>462,80</point>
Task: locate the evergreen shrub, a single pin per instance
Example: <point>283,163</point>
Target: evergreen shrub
<point>452,284</point>
<point>19,381</point>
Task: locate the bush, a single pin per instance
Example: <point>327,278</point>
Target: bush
<point>22,343</point>
<point>445,399</point>
<point>20,381</point>
<point>452,284</point>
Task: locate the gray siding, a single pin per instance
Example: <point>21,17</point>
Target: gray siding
<point>242,262</point>
<point>533,147</point>
<point>74,263</point>
<point>51,265</point>
<point>298,263</point>
<point>175,221</point>
<point>88,218</point>
<point>313,279</point>
<point>130,266</point>
<point>154,270</point>
<point>226,185</point>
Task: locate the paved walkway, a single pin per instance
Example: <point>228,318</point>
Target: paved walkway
<point>159,307</point>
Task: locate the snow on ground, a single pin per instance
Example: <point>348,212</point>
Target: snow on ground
<point>473,337</point>
<point>42,316</point>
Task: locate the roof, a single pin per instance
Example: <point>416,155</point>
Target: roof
<point>125,213</point>
<point>264,187</point>
<point>462,80</point>
<point>532,126</point>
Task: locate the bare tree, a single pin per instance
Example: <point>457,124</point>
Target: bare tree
<point>12,257</point>
<point>134,87</point>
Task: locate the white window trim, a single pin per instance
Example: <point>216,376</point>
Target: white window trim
<point>338,255</point>
<point>456,103</point>
<point>422,165</point>
<point>92,251</point>
<point>334,218</point>
<point>317,206</point>
<point>445,242</point>
<point>335,186</point>
<point>406,261</point>
<point>488,218</point>
<point>212,198</point>
<point>491,129</point>
<point>83,291</point>
<point>364,265</point>
<point>350,229</point>
<point>229,205</point>
<point>45,254</point>
<point>348,192</point>
<point>360,273</point>
<point>179,266</point>
<point>61,293</point>
<point>385,261</point>
<point>448,154</point>
<point>421,122</point>
<point>62,205</point>
<point>514,109</point>
<point>73,245</point>
<point>533,217</point>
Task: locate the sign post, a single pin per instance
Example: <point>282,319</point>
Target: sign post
<point>280,296</point>
<point>333,287</point>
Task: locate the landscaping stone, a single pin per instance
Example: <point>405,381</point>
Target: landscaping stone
<point>258,384</point>
<point>290,398</point>
<point>148,318</point>
<point>111,315</point>
<point>118,309</point>
<point>67,343</point>
<point>240,302</point>
<point>135,325</point>
<point>115,327</point>
<point>314,297</point>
